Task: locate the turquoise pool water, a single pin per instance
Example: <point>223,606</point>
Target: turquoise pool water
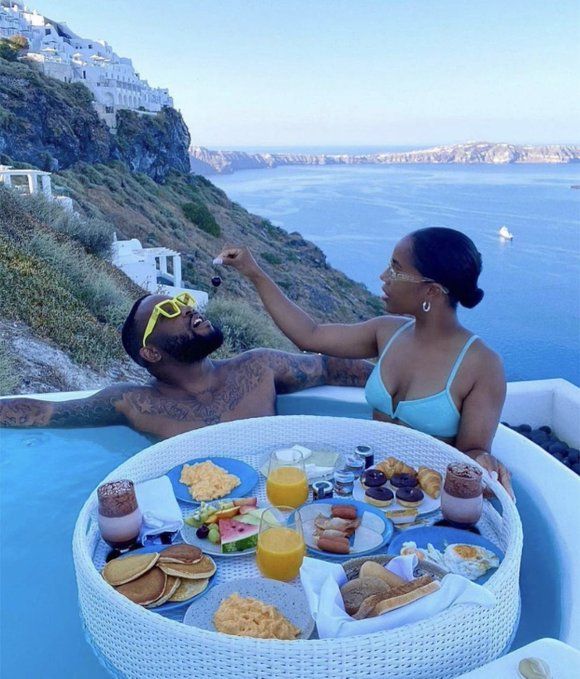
<point>45,478</point>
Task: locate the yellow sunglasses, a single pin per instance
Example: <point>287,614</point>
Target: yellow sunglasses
<point>169,308</point>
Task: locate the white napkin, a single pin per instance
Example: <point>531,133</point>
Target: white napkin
<point>289,454</point>
<point>161,513</point>
<point>322,580</point>
<point>314,472</point>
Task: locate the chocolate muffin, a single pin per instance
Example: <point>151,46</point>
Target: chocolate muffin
<point>404,480</point>
<point>373,478</point>
<point>380,497</point>
<point>410,497</point>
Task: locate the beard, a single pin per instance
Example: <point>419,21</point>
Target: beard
<point>187,349</point>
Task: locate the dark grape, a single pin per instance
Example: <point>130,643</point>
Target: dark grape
<point>216,281</point>
<point>202,532</point>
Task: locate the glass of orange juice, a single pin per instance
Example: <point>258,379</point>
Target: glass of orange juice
<point>287,483</point>
<point>281,545</point>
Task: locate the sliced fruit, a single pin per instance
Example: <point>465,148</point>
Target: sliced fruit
<point>246,502</point>
<point>223,514</point>
<point>237,536</point>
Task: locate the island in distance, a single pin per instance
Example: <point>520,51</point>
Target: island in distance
<point>206,162</point>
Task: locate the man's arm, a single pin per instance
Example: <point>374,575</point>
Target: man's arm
<point>293,372</point>
<point>96,410</point>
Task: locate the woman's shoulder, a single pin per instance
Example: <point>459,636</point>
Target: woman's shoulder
<point>387,326</point>
<point>486,364</point>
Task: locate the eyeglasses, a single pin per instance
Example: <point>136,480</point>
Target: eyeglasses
<point>409,278</point>
<point>169,308</point>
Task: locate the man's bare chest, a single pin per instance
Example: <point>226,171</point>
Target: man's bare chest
<point>161,415</point>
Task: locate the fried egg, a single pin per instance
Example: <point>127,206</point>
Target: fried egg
<point>470,561</point>
<point>410,548</point>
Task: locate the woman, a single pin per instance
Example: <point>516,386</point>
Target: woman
<point>433,374</point>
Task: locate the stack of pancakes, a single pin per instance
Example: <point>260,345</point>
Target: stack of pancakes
<point>178,573</point>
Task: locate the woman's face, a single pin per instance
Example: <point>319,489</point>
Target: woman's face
<point>401,296</point>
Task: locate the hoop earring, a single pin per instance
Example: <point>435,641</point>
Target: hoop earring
<point>426,306</point>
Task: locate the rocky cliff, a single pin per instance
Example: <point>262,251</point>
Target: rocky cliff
<point>52,125</point>
<point>205,161</point>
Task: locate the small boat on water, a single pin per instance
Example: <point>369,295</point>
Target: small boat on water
<point>505,233</point>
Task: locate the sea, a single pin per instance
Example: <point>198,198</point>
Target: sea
<point>531,310</point>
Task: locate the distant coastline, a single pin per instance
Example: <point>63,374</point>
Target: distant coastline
<point>207,162</point>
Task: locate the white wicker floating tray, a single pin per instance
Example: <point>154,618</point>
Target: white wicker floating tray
<point>134,642</point>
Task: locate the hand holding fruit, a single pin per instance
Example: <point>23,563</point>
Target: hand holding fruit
<point>239,258</point>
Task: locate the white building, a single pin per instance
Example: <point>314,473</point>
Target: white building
<point>31,182</point>
<point>157,270</point>
<point>66,56</point>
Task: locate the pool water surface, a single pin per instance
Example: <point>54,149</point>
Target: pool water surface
<point>45,478</point>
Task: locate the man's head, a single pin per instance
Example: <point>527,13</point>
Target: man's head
<point>186,338</point>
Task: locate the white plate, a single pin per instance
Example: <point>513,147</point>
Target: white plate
<point>428,505</point>
<point>188,533</point>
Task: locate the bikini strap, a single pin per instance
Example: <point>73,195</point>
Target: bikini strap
<point>459,359</point>
<point>394,337</point>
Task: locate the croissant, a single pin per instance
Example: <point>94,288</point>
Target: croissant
<point>392,466</point>
<point>430,481</point>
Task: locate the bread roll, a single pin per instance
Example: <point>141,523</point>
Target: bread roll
<point>356,591</point>
<point>372,569</point>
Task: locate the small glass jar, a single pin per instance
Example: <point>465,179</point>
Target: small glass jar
<point>321,490</point>
<point>343,483</point>
<point>367,454</point>
<point>119,516</point>
<point>462,494</point>
<point>356,465</point>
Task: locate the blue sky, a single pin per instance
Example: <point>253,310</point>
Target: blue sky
<point>328,72</point>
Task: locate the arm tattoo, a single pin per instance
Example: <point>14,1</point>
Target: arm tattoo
<point>24,412</point>
<point>348,372</point>
<point>293,372</point>
<point>96,410</point>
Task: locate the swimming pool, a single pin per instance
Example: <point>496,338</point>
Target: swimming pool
<point>45,478</point>
<point>47,475</point>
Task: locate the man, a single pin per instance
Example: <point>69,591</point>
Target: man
<point>188,390</point>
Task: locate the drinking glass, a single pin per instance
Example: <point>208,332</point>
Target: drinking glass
<point>287,483</point>
<point>119,516</point>
<point>281,545</point>
<point>462,494</point>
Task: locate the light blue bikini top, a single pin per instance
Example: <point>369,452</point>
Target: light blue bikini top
<point>436,415</point>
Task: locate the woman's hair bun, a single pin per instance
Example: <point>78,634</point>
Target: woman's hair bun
<point>471,298</point>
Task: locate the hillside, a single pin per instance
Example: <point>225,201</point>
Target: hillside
<point>208,162</point>
<point>59,262</point>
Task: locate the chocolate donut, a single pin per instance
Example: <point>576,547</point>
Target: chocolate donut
<point>404,480</point>
<point>410,497</point>
<point>373,478</point>
<point>380,497</point>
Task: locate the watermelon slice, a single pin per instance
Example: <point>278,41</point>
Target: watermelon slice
<point>237,536</point>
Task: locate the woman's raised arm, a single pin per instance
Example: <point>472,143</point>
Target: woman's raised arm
<point>358,340</point>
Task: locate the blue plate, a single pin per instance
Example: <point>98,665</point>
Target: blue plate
<point>248,478</point>
<point>440,537</point>
<point>168,606</point>
<point>385,527</point>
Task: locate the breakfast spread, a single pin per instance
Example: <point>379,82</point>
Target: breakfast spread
<point>175,574</point>
<point>207,481</point>
<point>249,617</point>
<point>376,591</point>
<point>470,561</point>
<point>216,523</point>
<point>332,533</point>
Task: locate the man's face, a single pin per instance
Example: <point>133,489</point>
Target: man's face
<point>186,338</point>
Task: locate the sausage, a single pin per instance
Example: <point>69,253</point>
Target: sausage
<point>344,512</point>
<point>334,545</point>
<point>332,534</point>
